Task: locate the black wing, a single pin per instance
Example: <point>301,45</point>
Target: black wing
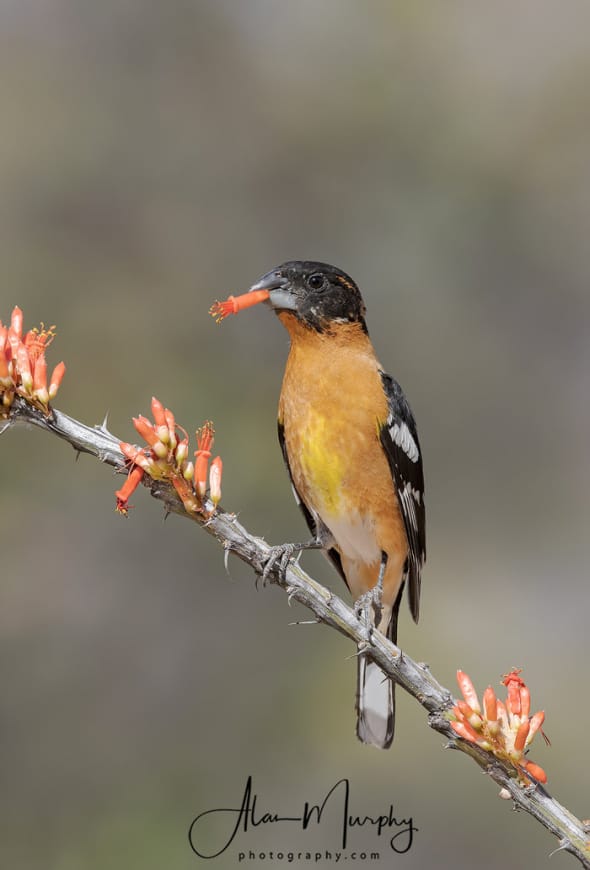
<point>400,441</point>
<point>315,527</point>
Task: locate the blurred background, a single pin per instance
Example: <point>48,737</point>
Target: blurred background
<point>157,156</point>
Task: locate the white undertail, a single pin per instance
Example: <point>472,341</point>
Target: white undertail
<point>375,705</point>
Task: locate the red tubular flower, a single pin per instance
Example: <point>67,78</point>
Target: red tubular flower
<point>201,464</point>
<point>202,456</point>
<point>133,480</point>
<point>234,304</point>
<point>513,683</point>
<point>37,340</point>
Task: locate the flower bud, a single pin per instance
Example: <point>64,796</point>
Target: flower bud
<point>215,480</point>
<point>145,429</point>
<point>468,690</point>
<point>158,412</point>
<point>181,451</point>
<point>535,771</point>
<point>5,378</point>
<point>521,736</point>
<point>16,322</point>
<point>56,379</point>
<point>525,701</point>
<point>536,722</point>
<point>186,493</point>
<point>23,367</point>
<point>464,730</point>
<point>137,456</point>
<point>40,380</point>
<point>490,704</point>
<point>171,423</point>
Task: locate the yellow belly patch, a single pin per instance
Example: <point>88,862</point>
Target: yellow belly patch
<point>322,465</point>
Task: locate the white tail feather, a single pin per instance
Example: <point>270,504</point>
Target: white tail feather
<point>375,705</point>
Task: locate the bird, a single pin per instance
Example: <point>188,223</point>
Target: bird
<point>351,448</point>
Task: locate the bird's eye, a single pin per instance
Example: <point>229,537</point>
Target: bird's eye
<point>317,281</point>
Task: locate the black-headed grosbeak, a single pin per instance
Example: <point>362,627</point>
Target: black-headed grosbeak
<point>350,444</point>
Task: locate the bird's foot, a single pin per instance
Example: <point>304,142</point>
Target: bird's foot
<point>370,601</point>
<point>282,554</point>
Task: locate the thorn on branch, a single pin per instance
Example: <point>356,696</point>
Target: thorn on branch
<point>102,427</point>
<point>226,552</point>
<point>564,844</point>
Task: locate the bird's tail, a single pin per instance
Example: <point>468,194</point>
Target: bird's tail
<point>375,696</point>
<point>375,705</point>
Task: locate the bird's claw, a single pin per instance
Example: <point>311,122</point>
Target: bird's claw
<point>371,600</point>
<point>281,553</point>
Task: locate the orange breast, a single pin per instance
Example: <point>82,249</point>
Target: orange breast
<point>332,405</point>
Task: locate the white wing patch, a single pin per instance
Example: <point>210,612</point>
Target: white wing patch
<point>410,497</point>
<point>401,435</point>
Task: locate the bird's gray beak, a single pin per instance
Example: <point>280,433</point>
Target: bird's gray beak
<point>280,298</point>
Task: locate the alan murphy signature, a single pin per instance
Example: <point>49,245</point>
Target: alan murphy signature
<point>398,832</point>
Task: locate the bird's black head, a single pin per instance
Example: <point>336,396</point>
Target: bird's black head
<point>319,295</point>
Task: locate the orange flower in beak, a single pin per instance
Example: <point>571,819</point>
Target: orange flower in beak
<point>235,304</point>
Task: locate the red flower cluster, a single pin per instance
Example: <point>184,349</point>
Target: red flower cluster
<point>505,729</point>
<point>166,458</point>
<point>23,367</point>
